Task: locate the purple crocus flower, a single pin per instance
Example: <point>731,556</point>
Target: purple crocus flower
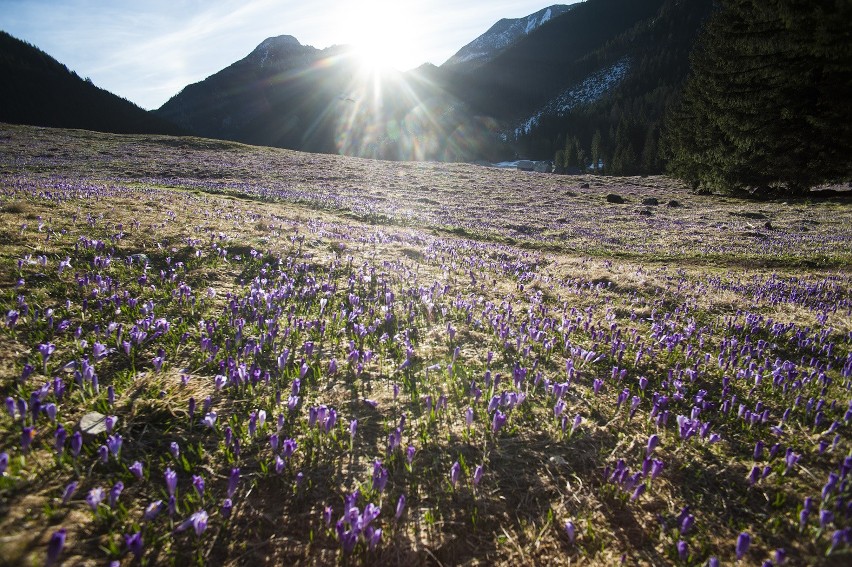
<point>373,537</point>
<point>409,453</point>
<point>136,469</point>
<point>477,474</point>
<point>455,471</point>
<point>289,447</point>
<point>682,550</point>
<point>743,543</point>
<point>577,420</point>
<point>27,435</point>
<point>210,420</point>
<point>76,444</point>
<point>46,349</point>
<point>227,506</point>
<point>380,476</point>
<point>171,481</point>
<point>114,444</point>
<point>198,522</point>
<point>803,518</point>
<point>498,421</point>
<point>50,410</point>
<point>656,468</point>
<point>570,531</point>
<point>134,543</point>
<point>400,506</point>
<point>55,546</point>
<point>95,497</point>
<point>653,442</point>
<point>233,480</point>
<point>198,484</point>
<point>153,510</point>
<point>69,491</point>
<point>59,439</point>
<point>838,537</point>
<point>114,493</point>
<point>791,458</point>
<point>98,351</point>
<point>174,449</point>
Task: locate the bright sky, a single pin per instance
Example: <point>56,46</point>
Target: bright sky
<point>148,50</point>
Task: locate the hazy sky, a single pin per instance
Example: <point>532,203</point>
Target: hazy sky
<point>147,50</point>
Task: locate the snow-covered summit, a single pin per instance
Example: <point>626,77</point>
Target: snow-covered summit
<point>501,35</point>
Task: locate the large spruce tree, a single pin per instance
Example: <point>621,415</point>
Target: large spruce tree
<point>768,105</point>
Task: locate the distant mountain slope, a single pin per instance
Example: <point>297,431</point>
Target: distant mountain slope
<point>289,95</point>
<point>226,103</point>
<point>540,65</point>
<point>528,86</point>
<point>36,89</point>
<point>500,36</point>
<point>595,82</point>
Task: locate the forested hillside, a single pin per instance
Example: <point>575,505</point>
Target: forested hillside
<point>767,106</point>
<point>37,89</point>
<point>622,130</point>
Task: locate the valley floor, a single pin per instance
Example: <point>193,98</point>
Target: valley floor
<point>310,359</point>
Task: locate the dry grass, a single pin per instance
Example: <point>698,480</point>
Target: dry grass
<point>536,478</point>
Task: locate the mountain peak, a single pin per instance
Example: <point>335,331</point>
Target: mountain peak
<point>503,34</point>
<point>279,41</point>
<point>274,50</point>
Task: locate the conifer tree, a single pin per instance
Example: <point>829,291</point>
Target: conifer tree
<point>766,107</point>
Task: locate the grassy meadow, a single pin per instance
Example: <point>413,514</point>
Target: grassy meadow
<point>296,358</point>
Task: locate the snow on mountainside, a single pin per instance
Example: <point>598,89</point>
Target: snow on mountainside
<point>591,89</point>
<point>501,35</point>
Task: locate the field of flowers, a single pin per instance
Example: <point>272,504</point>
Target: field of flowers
<point>220,354</point>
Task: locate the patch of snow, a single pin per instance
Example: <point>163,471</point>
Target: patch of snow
<point>471,56</point>
<point>591,89</point>
<point>506,164</point>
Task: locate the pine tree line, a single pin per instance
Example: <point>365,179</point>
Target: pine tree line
<point>768,105</point>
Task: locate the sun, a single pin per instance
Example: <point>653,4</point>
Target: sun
<point>382,34</point>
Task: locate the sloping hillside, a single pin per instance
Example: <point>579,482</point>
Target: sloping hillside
<point>37,89</point>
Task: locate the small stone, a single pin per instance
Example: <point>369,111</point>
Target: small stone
<point>93,423</point>
<point>616,199</point>
<point>650,201</point>
<point>673,203</point>
<point>584,186</point>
